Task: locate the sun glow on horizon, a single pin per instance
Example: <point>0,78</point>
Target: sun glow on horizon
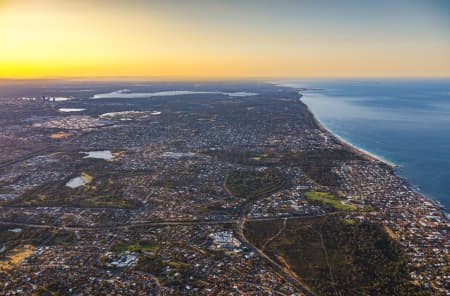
<point>213,39</point>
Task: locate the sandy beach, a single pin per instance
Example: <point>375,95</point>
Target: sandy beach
<point>349,146</point>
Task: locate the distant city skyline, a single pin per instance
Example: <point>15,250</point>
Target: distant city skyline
<point>224,39</point>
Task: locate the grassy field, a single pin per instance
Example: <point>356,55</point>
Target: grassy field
<point>259,157</point>
<point>336,257</point>
<point>178,264</point>
<point>329,199</point>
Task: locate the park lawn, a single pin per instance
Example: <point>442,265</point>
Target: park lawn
<point>178,264</point>
<point>260,156</point>
<point>329,199</point>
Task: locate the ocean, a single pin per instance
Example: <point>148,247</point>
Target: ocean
<point>405,122</point>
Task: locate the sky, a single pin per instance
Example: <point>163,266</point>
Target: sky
<point>211,39</point>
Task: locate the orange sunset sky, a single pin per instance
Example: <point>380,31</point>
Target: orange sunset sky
<point>224,39</point>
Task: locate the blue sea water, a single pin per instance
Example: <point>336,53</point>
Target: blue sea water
<point>406,122</point>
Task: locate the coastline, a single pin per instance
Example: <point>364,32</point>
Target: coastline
<point>322,127</point>
<point>346,144</point>
<point>372,157</point>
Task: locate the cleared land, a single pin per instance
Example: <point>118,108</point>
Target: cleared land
<point>15,257</point>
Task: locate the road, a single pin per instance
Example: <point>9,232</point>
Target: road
<point>150,224</point>
<point>285,273</point>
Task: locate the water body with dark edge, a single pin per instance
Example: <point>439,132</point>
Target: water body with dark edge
<point>406,122</point>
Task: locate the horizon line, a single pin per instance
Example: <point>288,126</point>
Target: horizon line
<point>185,78</point>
